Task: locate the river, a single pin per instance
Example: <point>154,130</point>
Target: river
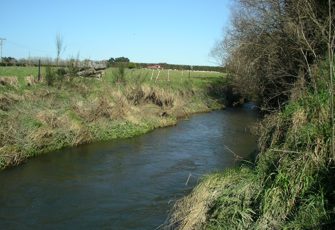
<point>123,184</point>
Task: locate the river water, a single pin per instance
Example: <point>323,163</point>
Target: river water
<point>123,184</point>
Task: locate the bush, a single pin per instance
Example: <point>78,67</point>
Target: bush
<point>61,71</point>
<point>50,75</point>
<point>120,74</point>
<point>272,44</point>
<point>73,67</point>
<point>132,65</point>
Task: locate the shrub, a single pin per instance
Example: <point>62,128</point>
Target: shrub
<point>120,74</point>
<point>50,75</point>
<point>132,65</point>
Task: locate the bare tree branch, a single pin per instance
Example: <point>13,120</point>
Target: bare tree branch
<point>59,47</point>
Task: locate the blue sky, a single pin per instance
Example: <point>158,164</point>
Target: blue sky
<point>172,31</point>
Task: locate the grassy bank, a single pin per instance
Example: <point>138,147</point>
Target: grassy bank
<point>291,186</point>
<point>39,118</point>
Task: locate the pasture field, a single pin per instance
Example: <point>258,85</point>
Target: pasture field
<point>133,75</point>
<point>20,71</point>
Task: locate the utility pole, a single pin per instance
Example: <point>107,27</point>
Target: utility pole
<point>1,43</point>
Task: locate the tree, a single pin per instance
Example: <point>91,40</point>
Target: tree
<point>9,60</point>
<point>122,59</point>
<point>111,61</point>
<point>118,61</point>
<point>272,44</point>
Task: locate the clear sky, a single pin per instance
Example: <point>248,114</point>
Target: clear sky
<point>172,31</point>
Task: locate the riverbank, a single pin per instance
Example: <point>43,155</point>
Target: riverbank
<point>41,118</point>
<point>291,186</point>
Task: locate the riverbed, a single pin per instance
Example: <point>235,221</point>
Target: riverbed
<point>123,184</point>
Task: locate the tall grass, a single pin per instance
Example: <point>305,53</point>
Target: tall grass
<point>292,183</point>
<point>52,115</point>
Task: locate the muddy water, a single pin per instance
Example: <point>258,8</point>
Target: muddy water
<point>122,184</point>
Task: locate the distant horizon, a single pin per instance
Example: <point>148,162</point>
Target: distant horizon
<point>181,32</point>
<point>104,60</point>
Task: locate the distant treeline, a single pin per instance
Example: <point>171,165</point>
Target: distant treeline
<point>10,61</point>
<point>112,62</point>
<point>184,67</point>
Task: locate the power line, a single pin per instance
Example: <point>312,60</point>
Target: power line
<point>27,47</point>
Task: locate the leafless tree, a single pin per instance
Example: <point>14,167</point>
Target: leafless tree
<point>272,44</point>
<point>59,47</point>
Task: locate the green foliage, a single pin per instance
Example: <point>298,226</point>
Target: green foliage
<point>8,61</point>
<point>61,71</point>
<point>292,184</point>
<point>50,75</point>
<point>114,62</point>
<point>131,65</point>
<point>122,60</point>
<point>115,130</point>
<point>233,209</point>
<point>120,74</point>
<point>111,61</point>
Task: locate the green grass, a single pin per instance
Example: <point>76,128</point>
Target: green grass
<point>178,78</point>
<point>19,71</point>
<point>40,118</point>
<point>291,185</point>
<point>131,73</point>
<point>220,201</point>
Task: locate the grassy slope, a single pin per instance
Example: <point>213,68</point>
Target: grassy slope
<point>40,118</point>
<point>290,187</point>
